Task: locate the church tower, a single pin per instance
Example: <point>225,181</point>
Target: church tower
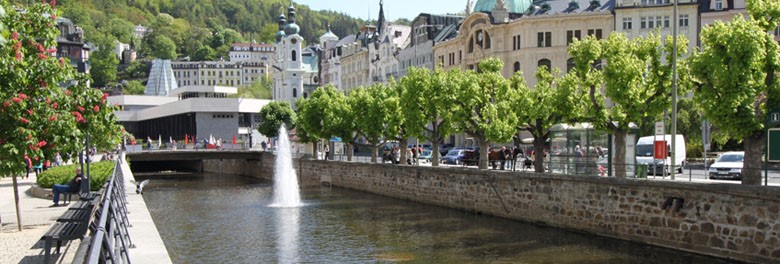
<point>288,76</point>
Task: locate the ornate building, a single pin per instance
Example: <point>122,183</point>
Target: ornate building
<point>524,34</point>
<point>388,40</point>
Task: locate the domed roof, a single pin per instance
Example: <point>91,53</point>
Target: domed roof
<point>291,29</point>
<point>514,6</point>
<point>328,36</point>
<point>279,35</point>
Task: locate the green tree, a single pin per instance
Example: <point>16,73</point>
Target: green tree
<point>133,88</point>
<point>104,66</point>
<point>736,72</point>
<point>204,53</point>
<point>634,80</point>
<point>482,106</point>
<point>374,109</point>
<point>163,48</point>
<point>552,101</point>
<point>274,115</point>
<point>44,118</point>
<point>426,99</point>
<point>325,114</point>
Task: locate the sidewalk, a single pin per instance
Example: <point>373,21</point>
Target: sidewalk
<point>25,246</point>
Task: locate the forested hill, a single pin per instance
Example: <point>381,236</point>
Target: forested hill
<point>195,24</point>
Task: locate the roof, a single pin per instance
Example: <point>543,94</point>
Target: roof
<point>204,89</point>
<point>566,7</point>
<point>513,6</point>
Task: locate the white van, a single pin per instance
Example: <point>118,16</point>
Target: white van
<point>645,149</point>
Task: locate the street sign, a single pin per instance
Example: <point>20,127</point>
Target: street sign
<point>335,139</point>
<point>773,149</point>
<point>659,128</point>
<point>661,152</point>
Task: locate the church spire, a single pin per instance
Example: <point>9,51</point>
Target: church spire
<point>469,5</point>
<point>381,22</point>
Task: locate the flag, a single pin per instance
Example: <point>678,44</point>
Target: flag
<point>132,141</point>
<point>234,139</point>
<point>186,139</point>
<point>211,139</point>
<point>159,140</point>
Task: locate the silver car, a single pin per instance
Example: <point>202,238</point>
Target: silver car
<point>727,166</point>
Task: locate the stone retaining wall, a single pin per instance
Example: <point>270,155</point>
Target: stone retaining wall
<point>724,220</point>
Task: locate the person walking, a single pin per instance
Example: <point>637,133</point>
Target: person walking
<point>327,151</point>
<point>73,186</point>
<point>28,162</point>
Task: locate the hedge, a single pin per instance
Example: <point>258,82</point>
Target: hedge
<point>100,171</point>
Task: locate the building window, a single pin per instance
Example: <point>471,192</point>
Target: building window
<point>777,31</point>
<point>643,22</point>
<point>569,64</point>
<point>294,56</point>
<point>544,39</point>
<point>595,32</point>
<point>627,23</point>
<point>517,66</point>
<point>651,22</point>
<point>516,42</point>
<point>683,20</point>
<point>666,21</point>
<point>471,46</point>
<point>571,35</point>
<point>295,93</point>
<point>718,4</point>
<point>545,62</point>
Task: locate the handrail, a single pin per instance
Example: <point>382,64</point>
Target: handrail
<point>110,240</point>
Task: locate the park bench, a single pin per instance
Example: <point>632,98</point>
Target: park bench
<point>71,225</point>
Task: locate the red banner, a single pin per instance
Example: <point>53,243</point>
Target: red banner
<point>661,152</point>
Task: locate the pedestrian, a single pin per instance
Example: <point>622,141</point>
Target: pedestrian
<point>578,155</point>
<point>415,153</point>
<point>327,151</point>
<point>73,186</point>
<point>509,157</point>
<point>149,143</point>
<point>263,145</point>
<point>502,157</point>
<point>57,159</point>
<point>28,163</point>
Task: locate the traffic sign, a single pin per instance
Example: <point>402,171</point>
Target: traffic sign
<point>659,128</point>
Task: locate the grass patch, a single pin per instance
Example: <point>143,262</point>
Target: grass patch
<point>100,171</point>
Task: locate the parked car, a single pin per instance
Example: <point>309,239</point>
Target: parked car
<point>426,155</point>
<point>454,157</point>
<point>727,166</point>
<point>444,148</point>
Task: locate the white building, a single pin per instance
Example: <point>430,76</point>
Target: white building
<point>252,52</point>
<point>388,40</point>
<point>219,72</point>
<point>427,30</point>
<point>192,111</point>
<point>295,69</point>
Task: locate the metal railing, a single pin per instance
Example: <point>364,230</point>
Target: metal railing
<point>110,240</point>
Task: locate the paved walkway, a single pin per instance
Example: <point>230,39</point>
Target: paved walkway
<point>37,216</point>
<point>25,246</point>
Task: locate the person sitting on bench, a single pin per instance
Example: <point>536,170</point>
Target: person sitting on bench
<point>73,186</point>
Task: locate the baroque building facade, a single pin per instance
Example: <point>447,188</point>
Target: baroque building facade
<point>294,68</point>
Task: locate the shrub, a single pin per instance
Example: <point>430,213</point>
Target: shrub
<point>100,171</point>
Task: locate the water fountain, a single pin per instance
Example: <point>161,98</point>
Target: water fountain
<point>286,193</point>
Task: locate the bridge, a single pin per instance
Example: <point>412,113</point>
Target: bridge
<point>183,160</point>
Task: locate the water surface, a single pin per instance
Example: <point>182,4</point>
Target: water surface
<point>226,219</point>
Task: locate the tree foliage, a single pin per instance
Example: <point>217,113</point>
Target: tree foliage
<point>554,100</point>
<point>103,66</point>
<point>325,114</point>
<point>133,88</point>
<point>376,115</point>
<point>633,80</point>
<point>736,72</point>
<point>483,107</point>
<point>44,118</point>
<point>274,115</point>
<point>425,101</point>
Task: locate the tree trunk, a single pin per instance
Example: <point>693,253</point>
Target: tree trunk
<point>403,143</point>
<point>16,199</point>
<point>435,154</point>
<point>539,153</point>
<point>754,151</point>
<point>316,151</point>
<point>350,151</point>
<point>373,153</point>
<point>484,150</point>
<point>620,153</point>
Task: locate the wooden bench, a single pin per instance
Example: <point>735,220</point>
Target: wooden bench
<point>73,224</point>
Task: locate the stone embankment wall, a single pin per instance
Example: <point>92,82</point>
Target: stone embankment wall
<point>724,220</point>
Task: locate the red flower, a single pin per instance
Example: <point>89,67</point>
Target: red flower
<point>14,35</point>
<point>48,101</point>
<point>6,103</point>
<point>23,96</point>
<point>40,47</point>
<point>105,95</point>
<point>17,100</point>
<point>51,50</point>
<point>41,143</point>
<point>62,62</point>
<point>24,120</point>
<point>54,105</point>
<point>42,56</point>
<point>52,118</point>
<point>53,16</point>
<point>30,111</point>
<point>81,109</point>
<point>53,2</point>
<point>19,56</point>
<point>96,108</point>
<point>67,92</point>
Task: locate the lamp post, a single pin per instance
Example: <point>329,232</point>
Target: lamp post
<point>674,89</point>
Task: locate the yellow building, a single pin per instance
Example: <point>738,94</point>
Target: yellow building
<point>524,35</point>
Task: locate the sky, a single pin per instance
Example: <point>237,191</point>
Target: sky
<point>394,9</point>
